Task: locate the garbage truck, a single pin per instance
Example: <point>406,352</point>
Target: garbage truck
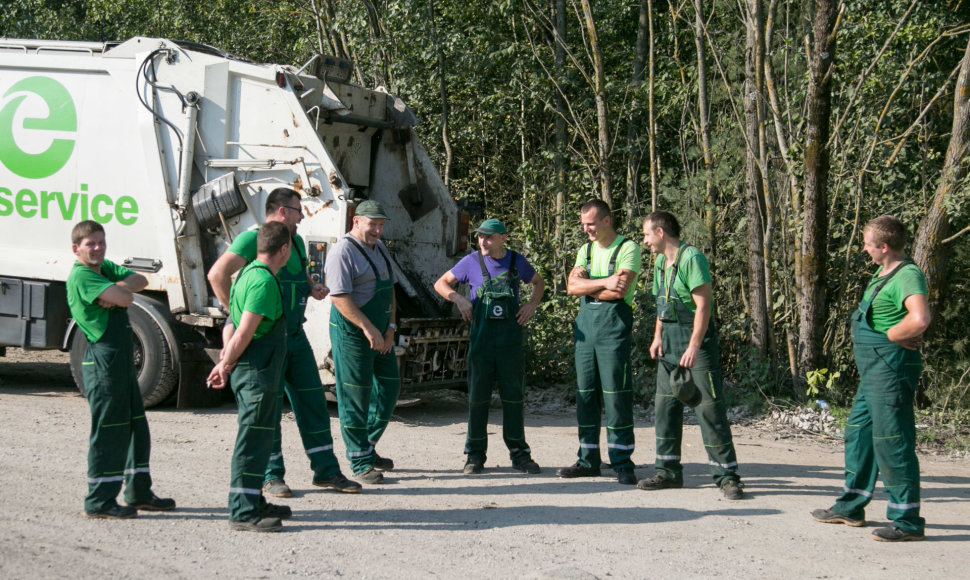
<point>173,148</point>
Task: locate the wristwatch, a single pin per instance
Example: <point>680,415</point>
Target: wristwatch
<point>392,326</point>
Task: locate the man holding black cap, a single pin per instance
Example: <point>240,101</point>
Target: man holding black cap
<point>495,340</point>
<point>689,370</point>
<point>362,329</point>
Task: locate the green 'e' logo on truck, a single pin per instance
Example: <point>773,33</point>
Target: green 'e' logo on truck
<point>62,116</point>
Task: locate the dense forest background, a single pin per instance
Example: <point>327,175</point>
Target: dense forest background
<point>775,129</point>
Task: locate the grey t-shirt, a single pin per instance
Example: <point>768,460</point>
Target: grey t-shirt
<point>348,272</point>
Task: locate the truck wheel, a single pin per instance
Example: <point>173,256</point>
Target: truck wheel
<point>153,358</point>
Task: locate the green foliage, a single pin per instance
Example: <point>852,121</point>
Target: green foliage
<point>497,61</point>
<point>820,380</point>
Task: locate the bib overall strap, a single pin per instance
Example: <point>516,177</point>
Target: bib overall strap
<point>616,252</point>
<point>377,274</point>
<point>888,277</point>
<point>513,271</point>
<point>669,283</point>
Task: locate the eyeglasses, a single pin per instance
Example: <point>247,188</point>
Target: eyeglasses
<point>298,209</point>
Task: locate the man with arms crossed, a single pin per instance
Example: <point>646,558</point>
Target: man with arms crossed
<point>362,338</point>
<point>302,384</point>
<point>99,293</point>
<point>685,345</point>
<point>604,277</point>
<point>495,341</point>
<point>880,433</point>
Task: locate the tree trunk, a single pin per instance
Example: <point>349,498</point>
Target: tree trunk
<point>560,50</point>
<point>754,180</point>
<point>443,88</point>
<point>818,105</point>
<point>930,250</point>
<point>704,114</point>
<point>599,89</point>
<point>634,152</point>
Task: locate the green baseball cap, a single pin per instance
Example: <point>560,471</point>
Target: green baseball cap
<point>491,226</point>
<point>371,209</point>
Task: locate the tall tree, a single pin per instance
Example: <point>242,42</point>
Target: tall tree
<point>443,93</point>
<point>599,90</point>
<point>932,249</point>
<point>818,107</point>
<point>634,151</point>
<point>754,176</point>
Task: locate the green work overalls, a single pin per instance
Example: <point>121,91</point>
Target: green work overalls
<point>677,325</point>
<point>120,442</point>
<point>495,353</point>
<point>367,382</point>
<point>880,433</point>
<point>604,378</point>
<point>255,381</point>
<point>302,385</point>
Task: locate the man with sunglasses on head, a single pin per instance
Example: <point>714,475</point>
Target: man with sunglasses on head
<point>302,384</point>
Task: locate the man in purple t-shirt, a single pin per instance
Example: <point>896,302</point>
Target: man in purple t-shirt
<point>495,350</point>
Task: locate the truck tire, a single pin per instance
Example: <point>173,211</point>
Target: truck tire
<point>153,357</point>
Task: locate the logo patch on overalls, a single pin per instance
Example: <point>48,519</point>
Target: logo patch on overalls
<point>497,311</point>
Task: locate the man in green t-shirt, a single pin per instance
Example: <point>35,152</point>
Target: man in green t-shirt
<point>604,277</point>
<point>302,385</point>
<point>689,367</point>
<point>880,433</point>
<point>254,354</point>
<point>99,293</point>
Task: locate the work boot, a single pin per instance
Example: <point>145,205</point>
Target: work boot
<point>370,475</point>
<point>338,482</point>
<point>577,470</point>
<point>115,512</point>
<point>732,489</point>
<point>260,525</point>
<point>894,534</point>
<point>277,488</point>
<point>155,504</point>
<point>832,517</point>
<point>527,466</point>
<point>473,467</point>
<point>660,481</point>
<point>272,510</point>
<point>626,476</point>
<point>383,463</point>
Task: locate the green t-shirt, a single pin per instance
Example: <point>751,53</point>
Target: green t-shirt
<point>888,308</point>
<point>627,259</point>
<point>84,285</point>
<point>245,246</point>
<point>693,272</point>
<point>256,290</point>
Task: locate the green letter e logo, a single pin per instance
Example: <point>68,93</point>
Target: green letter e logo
<point>61,117</point>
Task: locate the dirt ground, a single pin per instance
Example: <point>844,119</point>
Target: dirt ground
<point>432,521</point>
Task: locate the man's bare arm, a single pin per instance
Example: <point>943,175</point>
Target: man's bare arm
<point>220,275</point>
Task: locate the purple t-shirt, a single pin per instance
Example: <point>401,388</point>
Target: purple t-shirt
<point>469,271</point>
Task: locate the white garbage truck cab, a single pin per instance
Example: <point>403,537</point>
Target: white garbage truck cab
<point>173,147</point>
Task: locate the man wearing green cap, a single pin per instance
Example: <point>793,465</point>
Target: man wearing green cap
<point>362,316</point>
<point>302,385</point>
<point>604,277</point>
<point>495,340</point>
<point>99,293</point>
<point>880,433</point>
<point>685,342</point>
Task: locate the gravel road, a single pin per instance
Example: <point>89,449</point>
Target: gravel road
<point>432,521</point>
